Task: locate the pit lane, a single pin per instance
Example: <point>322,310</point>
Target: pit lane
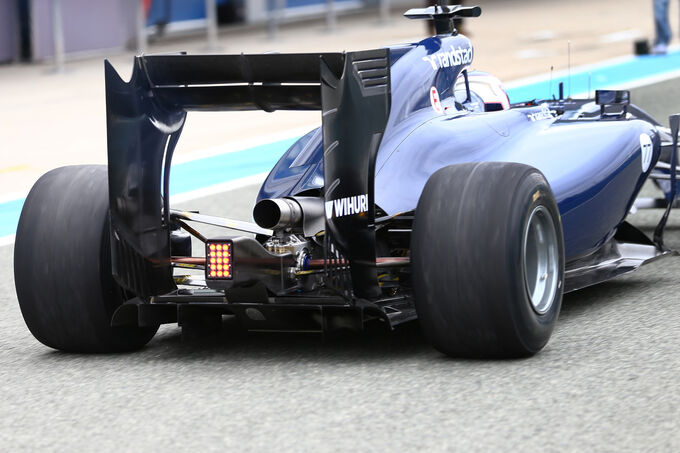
<point>608,379</point>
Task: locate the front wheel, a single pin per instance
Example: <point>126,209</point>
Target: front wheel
<point>488,260</point>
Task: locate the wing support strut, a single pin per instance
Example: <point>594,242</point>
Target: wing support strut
<point>674,121</point>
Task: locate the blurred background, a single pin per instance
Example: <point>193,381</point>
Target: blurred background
<point>40,30</point>
<point>35,30</point>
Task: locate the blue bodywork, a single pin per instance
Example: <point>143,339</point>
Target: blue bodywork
<point>594,166</point>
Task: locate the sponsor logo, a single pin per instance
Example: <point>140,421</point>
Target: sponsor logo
<point>435,101</point>
<point>544,114</point>
<point>347,206</point>
<point>647,150</point>
<point>446,59</point>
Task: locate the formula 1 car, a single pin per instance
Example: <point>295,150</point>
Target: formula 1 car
<point>424,195</point>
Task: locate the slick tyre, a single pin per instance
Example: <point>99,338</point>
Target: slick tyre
<point>62,265</point>
<point>488,260</point>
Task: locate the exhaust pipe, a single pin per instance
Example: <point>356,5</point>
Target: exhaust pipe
<point>276,213</point>
<point>306,213</point>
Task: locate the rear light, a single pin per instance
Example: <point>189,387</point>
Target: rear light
<point>219,259</point>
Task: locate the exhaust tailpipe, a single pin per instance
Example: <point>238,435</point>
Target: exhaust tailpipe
<point>305,213</point>
<point>276,213</point>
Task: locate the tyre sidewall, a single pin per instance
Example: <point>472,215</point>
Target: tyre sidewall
<point>532,329</point>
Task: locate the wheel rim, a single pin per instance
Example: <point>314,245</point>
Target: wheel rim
<point>540,259</point>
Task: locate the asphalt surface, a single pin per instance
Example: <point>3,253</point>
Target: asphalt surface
<point>607,381</point>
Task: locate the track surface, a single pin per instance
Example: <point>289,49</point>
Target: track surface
<point>608,379</point>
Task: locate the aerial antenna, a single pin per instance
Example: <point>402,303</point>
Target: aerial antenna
<point>467,86</point>
<point>569,69</point>
<point>550,93</point>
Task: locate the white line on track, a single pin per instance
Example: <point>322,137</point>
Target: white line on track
<point>226,148</point>
<point>218,188</point>
<point>241,145</point>
<point>539,78</point>
<point>7,240</point>
<point>12,196</point>
<point>644,81</point>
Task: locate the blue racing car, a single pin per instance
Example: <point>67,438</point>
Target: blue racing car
<point>423,195</point>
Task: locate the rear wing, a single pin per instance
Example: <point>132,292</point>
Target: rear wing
<point>145,117</point>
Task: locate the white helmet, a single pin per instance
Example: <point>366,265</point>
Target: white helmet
<point>487,88</point>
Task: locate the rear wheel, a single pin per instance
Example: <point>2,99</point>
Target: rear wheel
<point>62,264</point>
<point>488,260</point>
